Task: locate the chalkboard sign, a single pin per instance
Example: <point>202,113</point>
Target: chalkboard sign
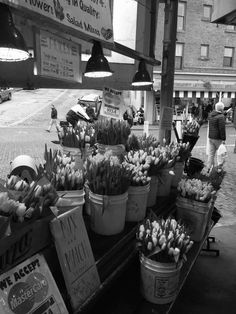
<point>75,256</point>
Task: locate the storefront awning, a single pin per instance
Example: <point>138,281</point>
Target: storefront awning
<point>202,94</point>
<point>224,12</point>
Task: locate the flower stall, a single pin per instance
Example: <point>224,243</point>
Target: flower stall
<point>116,184</point>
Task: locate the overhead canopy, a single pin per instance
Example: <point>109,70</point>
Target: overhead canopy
<point>224,12</point>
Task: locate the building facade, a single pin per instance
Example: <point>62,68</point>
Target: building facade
<point>205,62</point>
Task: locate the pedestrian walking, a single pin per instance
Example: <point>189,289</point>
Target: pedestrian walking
<point>53,119</point>
<point>216,132</point>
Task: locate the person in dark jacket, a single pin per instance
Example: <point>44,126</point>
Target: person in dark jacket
<point>53,118</point>
<point>217,132</point>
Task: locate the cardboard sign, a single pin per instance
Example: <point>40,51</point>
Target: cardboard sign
<point>113,103</point>
<point>90,17</point>
<point>75,256</point>
<point>29,288</point>
<point>58,57</point>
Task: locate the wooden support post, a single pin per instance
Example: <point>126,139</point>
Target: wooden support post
<point>168,69</point>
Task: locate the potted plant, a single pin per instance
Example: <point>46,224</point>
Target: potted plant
<point>139,187</point>
<point>108,180</point>
<point>112,135</point>
<point>78,142</point>
<point>163,245</point>
<point>67,180</point>
<point>190,131</point>
<point>194,204</point>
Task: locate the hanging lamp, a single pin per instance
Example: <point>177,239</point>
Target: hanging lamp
<point>12,44</point>
<point>97,65</point>
<point>142,77</point>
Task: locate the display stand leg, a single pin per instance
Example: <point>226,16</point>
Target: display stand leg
<point>208,246</point>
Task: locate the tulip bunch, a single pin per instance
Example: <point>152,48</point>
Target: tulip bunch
<point>17,184</point>
<point>106,175</point>
<point>60,171</point>
<point>196,189</point>
<point>82,136</point>
<point>191,127</point>
<point>163,240</point>
<point>110,132</point>
<point>162,156</point>
<point>184,151</point>
<point>137,163</point>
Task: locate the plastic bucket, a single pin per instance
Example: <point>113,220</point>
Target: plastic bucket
<point>159,281</point>
<point>25,167</point>
<point>152,194</point>
<point>117,150</point>
<point>164,182</point>
<point>194,165</point>
<point>108,213</point>
<point>76,153</point>
<point>195,215</point>
<point>178,170</point>
<point>70,199</point>
<point>137,202</point>
<point>87,201</point>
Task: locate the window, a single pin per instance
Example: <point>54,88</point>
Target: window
<point>204,52</point>
<point>228,57</point>
<point>179,56</point>
<point>181,16</point>
<point>207,10</point>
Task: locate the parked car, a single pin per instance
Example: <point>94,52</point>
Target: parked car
<point>5,94</point>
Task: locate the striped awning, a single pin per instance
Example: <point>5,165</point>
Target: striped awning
<point>202,94</point>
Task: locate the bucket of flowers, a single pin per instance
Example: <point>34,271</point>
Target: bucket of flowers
<point>108,180</point>
<point>67,180</point>
<point>112,135</point>
<point>190,132</point>
<point>194,204</point>
<point>139,187</point>
<point>163,245</point>
<point>78,142</point>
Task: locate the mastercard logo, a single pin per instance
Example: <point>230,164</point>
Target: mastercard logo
<point>23,295</point>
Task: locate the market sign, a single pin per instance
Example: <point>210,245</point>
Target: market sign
<point>112,103</point>
<point>90,17</point>
<point>75,256</point>
<point>57,57</point>
<point>30,288</point>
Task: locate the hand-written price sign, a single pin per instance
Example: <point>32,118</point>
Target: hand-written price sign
<point>112,103</point>
<point>59,58</point>
<point>75,256</point>
<point>30,288</point>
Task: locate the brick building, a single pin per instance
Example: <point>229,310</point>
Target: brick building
<point>205,62</point>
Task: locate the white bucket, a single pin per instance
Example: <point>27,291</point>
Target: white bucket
<point>25,167</point>
<point>76,153</point>
<point>108,213</point>
<point>70,199</point>
<point>159,281</point>
<point>152,194</point>
<point>164,182</point>
<point>178,170</point>
<point>195,215</point>
<point>137,202</point>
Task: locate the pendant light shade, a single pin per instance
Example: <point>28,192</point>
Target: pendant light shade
<point>97,65</point>
<point>142,77</point>
<point>12,44</point>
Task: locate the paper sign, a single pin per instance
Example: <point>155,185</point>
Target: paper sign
<point>75,256</point>
<point>29,288</point>
<point>59,58</point>
<point>91,17</point>
<point>113,103</point>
